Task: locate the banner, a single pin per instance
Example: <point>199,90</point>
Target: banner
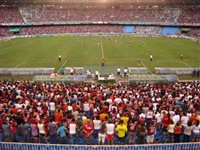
<point>25,71</point>
<point>177,71</point>
<point>60,78</point>
<point>135,79</point>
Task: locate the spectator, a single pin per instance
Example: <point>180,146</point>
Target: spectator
<point>187,132</point>
<point>121,131</point>
<point>110,130</point>
<point>88,129</point>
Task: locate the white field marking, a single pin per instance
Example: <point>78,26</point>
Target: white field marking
<point>62,66</point>
<point>102,52</point>
<point>185,63</point>
<point>19,65</point>
<point>146,67</point>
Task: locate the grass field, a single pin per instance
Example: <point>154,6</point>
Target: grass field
<point>87,51</point>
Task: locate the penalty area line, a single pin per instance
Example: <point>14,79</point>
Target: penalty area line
<point>185,63</point>
<point>61,66</point>
<point>146,67</point>
<point>19,65</point>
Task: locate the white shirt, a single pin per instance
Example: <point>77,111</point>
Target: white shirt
<point>158,117</point>
<point>97,124</point>
<point>52,106</point>
<point>188,130</point>
<point>149,114</point>
<point>176,118</point>
<point>171,128</point>
<point>110,128</point>
<point>118,69</point>
<point>41,128</point>
<point>72,128</point>
<point>86,107</point>
<point>196,129</point>
<point>184,120</point>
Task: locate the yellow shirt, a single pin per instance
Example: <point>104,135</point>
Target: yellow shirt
<point>125,120</point>
<point>198,118</point>
<point>121,130</point>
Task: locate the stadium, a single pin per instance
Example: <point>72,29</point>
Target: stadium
<point>99,74</point>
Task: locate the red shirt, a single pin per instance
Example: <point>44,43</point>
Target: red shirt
<point>88,128</point>
<point>151,130</point>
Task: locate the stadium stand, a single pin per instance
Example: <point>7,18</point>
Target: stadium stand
<point>129,29</point>
<point>10,15</point>
<point>169,30</point>
<point>153,30</point>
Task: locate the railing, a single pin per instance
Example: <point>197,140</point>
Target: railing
<point>33,146</point>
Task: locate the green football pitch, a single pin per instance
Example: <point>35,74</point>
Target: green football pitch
<point>87,51</point>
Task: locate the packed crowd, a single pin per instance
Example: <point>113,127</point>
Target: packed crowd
<point>10,15</point>
<point>189,16</point>
<point>147,30</point>
<point>52,14</point>
<point>39,14</point>
<point>104,114</point>
<point>72,29</point>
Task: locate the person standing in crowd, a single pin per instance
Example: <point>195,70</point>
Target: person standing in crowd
<point>79,123</point>
<point>42,132</point>
<point>196,132</point>
<point>110,130</point>
<point>88,129</point>
<point>34,131</point>
<point>187,132</point>
<point>151,132</point>
<point>170,131</point>
<point>132,124</point>
<point>177,132</point>
<point>6,131</point>
<point>52,131</point>
<point>52,108</point>
<point>97,126</point>
<point>121,131</point>
<point>73,131</point>
<point>26,132</point>
<point>141,131</point>
<point>62,134</point>
<point>102,133</point>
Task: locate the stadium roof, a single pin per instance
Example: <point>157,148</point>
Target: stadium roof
<point>182,2</point>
